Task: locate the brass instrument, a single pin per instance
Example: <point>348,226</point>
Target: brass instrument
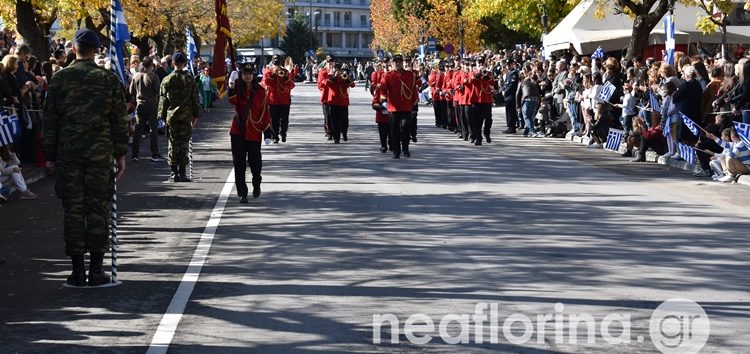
<point>344,76</point>
<point>282,72</point>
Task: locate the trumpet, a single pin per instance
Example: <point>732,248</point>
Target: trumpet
<point>344,76</point>
<point>282,72</point>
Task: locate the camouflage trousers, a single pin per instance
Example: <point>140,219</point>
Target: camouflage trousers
<point>178,136</point>
<point>86,192</point>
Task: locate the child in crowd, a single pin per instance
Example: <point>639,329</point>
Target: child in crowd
<point>670,117</point>
<point>737,161</point>
<point>628,107</point>
<point>9,169</point>
<point>716,161</point>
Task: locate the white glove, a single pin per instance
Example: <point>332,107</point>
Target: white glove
<point>268,141</point>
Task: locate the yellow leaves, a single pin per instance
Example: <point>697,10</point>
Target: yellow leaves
<point>705,25</point>
<point>600,9</point>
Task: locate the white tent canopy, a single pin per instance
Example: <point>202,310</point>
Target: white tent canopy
<point>585,32</point>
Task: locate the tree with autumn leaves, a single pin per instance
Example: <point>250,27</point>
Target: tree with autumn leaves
<point>160,21</point>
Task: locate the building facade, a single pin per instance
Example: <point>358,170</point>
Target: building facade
<point>343,28</point>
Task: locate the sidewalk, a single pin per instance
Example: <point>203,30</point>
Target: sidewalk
<point>653,157</point>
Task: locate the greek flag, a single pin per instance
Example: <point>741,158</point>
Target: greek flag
<point>654,102</point>
<point>598,53</point>
<point>607,91</point>
<point>614,138</point>
<point>690,124</point>
<point>9,129</point>
<point>669,42</point>
<point>743,130</point>
<point>118,35</point>
<point>192,50</point>
<point>687,153</point>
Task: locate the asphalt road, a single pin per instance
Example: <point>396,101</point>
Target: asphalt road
<point>342,233</point>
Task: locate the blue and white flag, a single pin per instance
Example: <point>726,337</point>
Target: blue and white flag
<point>9,129</point>
<point>690,124</point>
<point>192,50</point>
<point>607,91</point>
<point>598,53</point>
<point>654,102</point>
<point>669,42</point>
<point>614,138</point>
<point>743,130</point>
<point>118,35</point>
<point>687,153</point>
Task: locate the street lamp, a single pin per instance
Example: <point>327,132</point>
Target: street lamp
<point>312,24</point>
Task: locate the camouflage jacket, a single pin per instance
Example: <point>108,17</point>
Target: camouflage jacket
<point>178,98</point>
<point>85,117</point>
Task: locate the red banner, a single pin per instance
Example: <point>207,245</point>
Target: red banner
<point>218,70</point>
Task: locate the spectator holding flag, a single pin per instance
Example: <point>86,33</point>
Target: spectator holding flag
<point>687,100</point>
<point>737,161</point>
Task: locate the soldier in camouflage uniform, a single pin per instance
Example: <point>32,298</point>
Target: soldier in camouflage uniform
<point>85,127</point>
<point>178,102</point>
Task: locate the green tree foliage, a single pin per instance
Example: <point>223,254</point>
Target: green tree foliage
<point>297,39</point>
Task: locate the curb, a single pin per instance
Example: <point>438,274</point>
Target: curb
<point>653,157</point>
<point>30,175</point>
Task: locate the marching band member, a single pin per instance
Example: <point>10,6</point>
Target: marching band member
<point>397,88</point>
<point>250,120</point>
<point>409,67</point>
<point>322,75</point>
<point>435,81</point>
<point>279,84</point>
<point>483,86</point>
<point>382,119</point>
<point>337,86</point>
<point>447,90</point>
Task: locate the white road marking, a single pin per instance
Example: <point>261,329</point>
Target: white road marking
<point>168,325</point>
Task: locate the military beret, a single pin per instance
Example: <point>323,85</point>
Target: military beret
<point>179,57</point>
<point>85,37</point>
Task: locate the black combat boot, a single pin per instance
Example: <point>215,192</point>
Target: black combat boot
<point>183,175</point>
<point>78,277</point>
<point>174,177</point>
<point>256,187</point>
<point>96,274</point>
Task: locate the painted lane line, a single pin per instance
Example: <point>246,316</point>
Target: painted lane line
<point>168,325</point>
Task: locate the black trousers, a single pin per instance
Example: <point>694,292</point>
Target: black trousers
<point>467,117</point>
<point>246,153</point>
<point>658,145</point>
<point>339,121</point>
<point>413,121</point>
<point>459,109</point>
<point>442,111</point>
<point>482,119</point>
<point>279,119</point>
<point>704,158</point>
<point>384,132</point>
<point>511,115</point>
<point>326,120</point>
<point>400,134</point>
<point>145,116</point>
<point>436,106</point>
<point>450,115</point>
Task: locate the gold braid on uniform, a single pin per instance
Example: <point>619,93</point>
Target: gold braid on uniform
<point>405,89</point>
<point>254,123</point>
<point>280,87</point>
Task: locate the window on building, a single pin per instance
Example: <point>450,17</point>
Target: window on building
<point>334,40</point>
<point>366,40</point>
<point>347,19</point>
<point>337,19</point>
<point>363,21</point>
<point>352,40</point>
<point>327,20</point>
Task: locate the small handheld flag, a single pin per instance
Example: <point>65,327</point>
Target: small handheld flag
<point>743,130</point>
<point>607,91</point>
<point>614,138</point>
<point>690,124</point>
<point>598,53</point>
<point>687,153</point>
<point>118,35</point>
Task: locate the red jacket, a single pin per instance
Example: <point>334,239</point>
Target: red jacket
<point>338,91</point>
<point>279,90</point>
<point>482,89</point>
<point>448,85</point>
<point>259,118</point>
<point>322,75</point>
<point>375,79</point>
<point>460,87</point>
<point>398,88</point>
<point>379,116</point>
<point>435,81</point>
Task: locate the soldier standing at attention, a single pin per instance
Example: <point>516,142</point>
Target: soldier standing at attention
<point>85,128</point>
<point>178,102</point>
